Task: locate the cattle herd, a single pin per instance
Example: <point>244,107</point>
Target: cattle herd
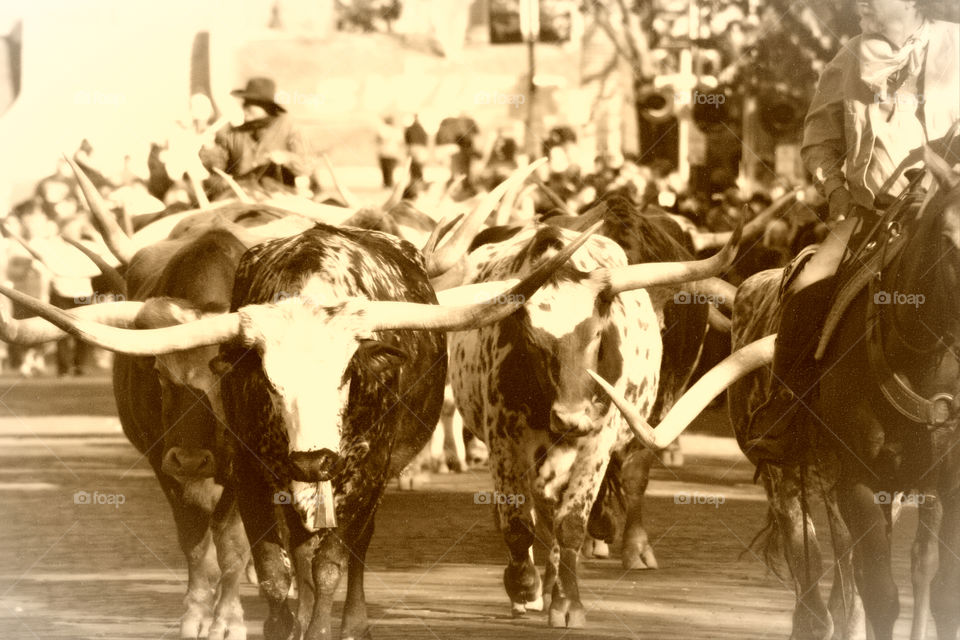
<point>279,362</point>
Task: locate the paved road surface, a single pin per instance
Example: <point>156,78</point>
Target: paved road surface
<point>114,571</point>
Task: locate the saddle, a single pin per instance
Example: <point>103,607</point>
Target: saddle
<point>876,249</point>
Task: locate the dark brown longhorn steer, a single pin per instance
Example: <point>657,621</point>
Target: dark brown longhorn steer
<point>324,381</point>
<point>169,404</point>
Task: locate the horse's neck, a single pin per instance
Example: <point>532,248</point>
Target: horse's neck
<point>917,320</point>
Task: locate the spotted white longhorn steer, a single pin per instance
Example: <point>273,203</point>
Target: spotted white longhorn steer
<point>522,387</point>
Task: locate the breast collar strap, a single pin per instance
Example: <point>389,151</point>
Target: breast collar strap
<point>934,412</point>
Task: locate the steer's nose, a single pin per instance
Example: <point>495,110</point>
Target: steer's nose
<point>313,466</point>
<point>564,421</point>
<point>195,463</point>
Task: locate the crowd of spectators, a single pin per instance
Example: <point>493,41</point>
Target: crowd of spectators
<point>36,258</point>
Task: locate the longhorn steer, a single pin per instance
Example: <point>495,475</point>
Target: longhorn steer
<point>170,409</point>
<point>521,386</point>
<point>169,404</point>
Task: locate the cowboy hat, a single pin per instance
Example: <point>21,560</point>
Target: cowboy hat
<point>259,90</point>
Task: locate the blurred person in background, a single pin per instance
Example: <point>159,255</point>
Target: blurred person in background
<point>389,148</point>
<point>417,141</point>
<point>503,158</point>
<point>176,157</point>
<point>28,276</point>
<point>725,212</point>
<point>70,286</point>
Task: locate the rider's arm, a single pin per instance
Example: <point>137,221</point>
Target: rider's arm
<point>824,145</point>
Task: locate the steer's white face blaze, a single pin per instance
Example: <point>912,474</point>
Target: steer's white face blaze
<point>565,320</point>
<point>306,348</point>
<point>305,352</point>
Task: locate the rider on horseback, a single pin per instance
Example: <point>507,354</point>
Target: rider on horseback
<point>888,92</point>
<point>266,138</point>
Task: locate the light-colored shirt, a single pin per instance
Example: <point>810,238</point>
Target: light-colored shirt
<point>898,132</point>
<point>842,125</point>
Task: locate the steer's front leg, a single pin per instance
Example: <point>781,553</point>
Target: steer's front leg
<point>233,554</point>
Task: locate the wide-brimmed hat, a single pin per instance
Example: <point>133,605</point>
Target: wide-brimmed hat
<point>263,90</point>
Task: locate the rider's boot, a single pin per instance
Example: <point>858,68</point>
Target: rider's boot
<point>772,432</point>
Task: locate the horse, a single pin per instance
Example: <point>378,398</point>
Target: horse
<point>885,417</point>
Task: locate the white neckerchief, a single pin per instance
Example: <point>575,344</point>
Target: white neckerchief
<point>879,62</point>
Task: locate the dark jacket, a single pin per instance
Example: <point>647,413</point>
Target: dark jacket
<point>241,149</point>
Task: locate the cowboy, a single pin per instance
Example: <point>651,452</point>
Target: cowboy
<point>266,137</point>
<point>886,94</point>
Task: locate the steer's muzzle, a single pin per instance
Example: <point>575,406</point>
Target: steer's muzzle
<point>189,463</point>
<point>314,466</point>
<point>572,423</point>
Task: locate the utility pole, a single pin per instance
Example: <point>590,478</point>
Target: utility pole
<point>749,132</point>
<point>685,119</point>
<point>530,28</point>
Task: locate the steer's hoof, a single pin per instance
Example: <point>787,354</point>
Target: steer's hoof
<point>223,630</point>
<point>536,605</point>
<point>600,549</point>
<point>286,627</point>
<point>565,613</point>
<point>195,626</point>
<point>518,610</point>
<point>358,635</point>
<point>521,582</point>
<point>594,548</point>
<point>639,557</point>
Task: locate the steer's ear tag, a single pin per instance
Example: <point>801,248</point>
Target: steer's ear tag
<point>327,510</point>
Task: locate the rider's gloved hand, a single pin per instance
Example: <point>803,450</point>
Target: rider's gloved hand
<point>840,203</point>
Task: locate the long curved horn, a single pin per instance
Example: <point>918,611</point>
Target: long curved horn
<point>448,255</point>
<point>402,183</point>
<point>234,186</point>
<point>507,203</point>
<point>721,292</point>
<point>346,195</point>
<point>7,231</point>
<point>648,274</point>
<point>133,342</point>
<point>756,226</point>
<point>695,400</point>
<point>709,239</point>
<point>447,190</point>
<point>554,199</point>
<point>443,227</point>
<point>114,279</point>
<point>38,330</point>
<point>486,308</point>
<point>718,321</point>
<point>117,241</point>
<point>589,218</point>
<point>325,213</point>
